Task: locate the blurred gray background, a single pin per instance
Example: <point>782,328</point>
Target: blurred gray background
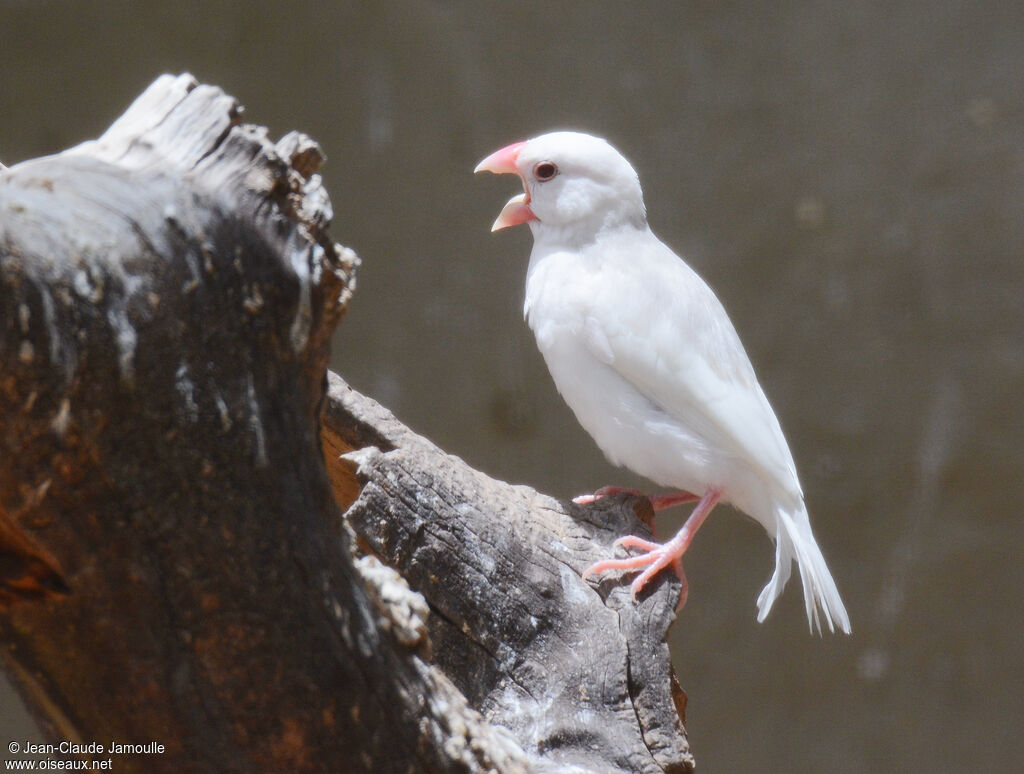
<point>848,176</point>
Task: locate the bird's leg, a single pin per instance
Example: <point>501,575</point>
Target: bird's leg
<point>658,502</point>
<point>659,556</point>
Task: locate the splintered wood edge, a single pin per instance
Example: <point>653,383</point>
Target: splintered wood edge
<point>342,474</point>
<point>343,429</point>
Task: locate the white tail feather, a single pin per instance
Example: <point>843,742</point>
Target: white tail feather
<point>794,540</point>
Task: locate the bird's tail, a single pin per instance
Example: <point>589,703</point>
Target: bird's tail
<point>794,540</point>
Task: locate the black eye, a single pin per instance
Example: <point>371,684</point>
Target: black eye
<point>545,171</point>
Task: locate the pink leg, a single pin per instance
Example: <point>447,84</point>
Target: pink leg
<point>658,502</point>
<point>660,556</point>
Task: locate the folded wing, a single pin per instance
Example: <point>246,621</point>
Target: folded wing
<point>680,350</point>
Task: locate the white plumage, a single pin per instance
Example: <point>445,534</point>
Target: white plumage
<point>645,355</point>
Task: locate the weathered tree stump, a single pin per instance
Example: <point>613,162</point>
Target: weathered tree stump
<point>174,564</point>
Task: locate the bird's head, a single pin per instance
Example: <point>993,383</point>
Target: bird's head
<point>572,182</point>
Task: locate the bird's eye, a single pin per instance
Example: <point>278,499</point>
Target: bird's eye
<point>545,171</point>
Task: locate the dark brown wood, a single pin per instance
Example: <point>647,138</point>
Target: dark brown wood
<point>174,565</point>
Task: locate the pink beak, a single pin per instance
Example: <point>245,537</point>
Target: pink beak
<point>503,162</point>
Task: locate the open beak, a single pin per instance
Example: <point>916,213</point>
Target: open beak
<point>503,162</point>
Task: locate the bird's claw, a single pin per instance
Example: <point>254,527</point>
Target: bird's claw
<point>656,558</point>
<point>632,541</point>
<point>605,491</point>
<point>605,565</point>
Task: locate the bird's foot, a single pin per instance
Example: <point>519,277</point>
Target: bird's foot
<point>657,557</point>
<point>658,502</point>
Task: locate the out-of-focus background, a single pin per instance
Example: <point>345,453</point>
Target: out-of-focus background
<point>848,175</point>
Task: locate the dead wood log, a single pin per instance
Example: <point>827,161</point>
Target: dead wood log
<point>584,677</point>
<point>174,566</point>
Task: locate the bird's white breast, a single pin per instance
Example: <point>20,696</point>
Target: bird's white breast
<point>566,298</point>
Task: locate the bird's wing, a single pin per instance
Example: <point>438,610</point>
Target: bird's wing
<point>663,330</point>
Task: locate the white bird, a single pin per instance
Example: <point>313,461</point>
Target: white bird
<point>646,357</point>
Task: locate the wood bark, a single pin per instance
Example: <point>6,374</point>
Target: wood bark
<point>177,562</point>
